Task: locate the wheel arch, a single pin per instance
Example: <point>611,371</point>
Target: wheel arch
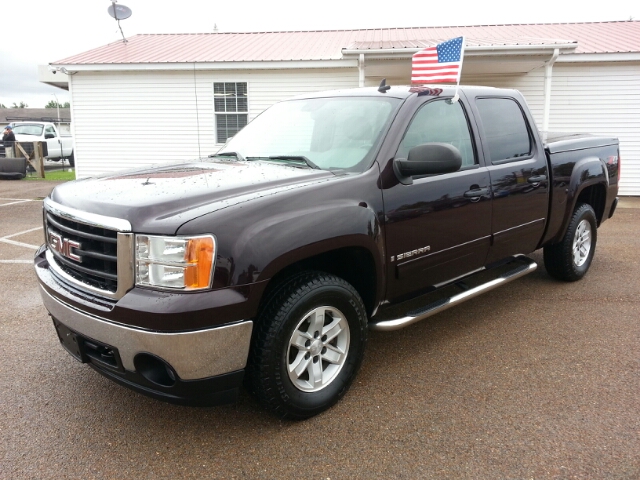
<point>354,264</point>
<point>594,195</point>
<point>588,184</point>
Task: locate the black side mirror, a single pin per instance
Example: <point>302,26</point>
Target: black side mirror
<point>49,135</point>
<point>427,159</point>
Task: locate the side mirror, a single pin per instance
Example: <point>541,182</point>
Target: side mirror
<point>49,135</point>
<point>427,159</point>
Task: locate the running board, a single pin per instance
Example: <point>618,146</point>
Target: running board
<point>523,266</point>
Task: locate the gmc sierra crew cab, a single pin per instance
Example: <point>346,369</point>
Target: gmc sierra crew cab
<point>326,216</point>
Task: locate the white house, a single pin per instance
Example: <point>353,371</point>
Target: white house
<point>161,98</point>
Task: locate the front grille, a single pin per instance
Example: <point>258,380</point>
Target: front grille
<point>87,253</point>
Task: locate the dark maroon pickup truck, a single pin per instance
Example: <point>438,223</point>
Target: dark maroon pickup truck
<point>326,216</point>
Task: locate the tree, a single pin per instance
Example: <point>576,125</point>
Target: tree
<point>22,105</point>
<point>2,105</point>
<point>54,104</point>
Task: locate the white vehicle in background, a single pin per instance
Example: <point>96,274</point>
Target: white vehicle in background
<point>59,146</point>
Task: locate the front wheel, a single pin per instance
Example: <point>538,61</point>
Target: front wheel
<point>308,345</point>
<point>72,159</point>
<point>570,259</point>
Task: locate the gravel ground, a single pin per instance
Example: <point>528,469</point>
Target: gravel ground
<point>538,379</point>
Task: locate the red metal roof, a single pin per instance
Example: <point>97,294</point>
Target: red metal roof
<point>599,37</point>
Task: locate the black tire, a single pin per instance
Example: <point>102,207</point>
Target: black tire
<point>570,259</point>
<point>288,316</point>
<point>72,159</point>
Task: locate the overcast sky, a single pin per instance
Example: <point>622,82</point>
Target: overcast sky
<point>38,32</point>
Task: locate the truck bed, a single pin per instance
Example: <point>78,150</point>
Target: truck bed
<point>556,142</point>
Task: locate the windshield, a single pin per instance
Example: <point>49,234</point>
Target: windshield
<point>28,129</point>
<point>328,133</point>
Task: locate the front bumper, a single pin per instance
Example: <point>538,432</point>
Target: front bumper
<point>195,367</point>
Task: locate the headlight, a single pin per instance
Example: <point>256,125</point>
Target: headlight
<point>184,263</point>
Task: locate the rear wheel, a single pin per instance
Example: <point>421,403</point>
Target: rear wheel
<point>570,259</point>
<point>72,159</point>
<point>308,345</point>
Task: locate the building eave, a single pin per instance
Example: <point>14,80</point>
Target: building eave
<point>191,66</point>
<point>600,57</point>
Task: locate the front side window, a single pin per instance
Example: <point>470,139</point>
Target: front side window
<point>505,129</point>
<point>231,108</point>
<point>441,122</point>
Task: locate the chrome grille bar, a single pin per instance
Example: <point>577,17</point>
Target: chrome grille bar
<point>88,250</point>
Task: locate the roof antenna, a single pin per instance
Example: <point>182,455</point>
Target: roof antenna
<point>383,86</point>
<point>119,12</point>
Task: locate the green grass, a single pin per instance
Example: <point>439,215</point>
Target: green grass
<point>56,176</point>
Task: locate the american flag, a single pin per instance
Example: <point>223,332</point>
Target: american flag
<point>439,64</point>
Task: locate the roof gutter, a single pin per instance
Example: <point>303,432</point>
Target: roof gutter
<point>71,69</point>
<point>468,51</point>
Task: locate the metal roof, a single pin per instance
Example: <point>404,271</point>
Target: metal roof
<point>597,37</point>
<point>34,114</point>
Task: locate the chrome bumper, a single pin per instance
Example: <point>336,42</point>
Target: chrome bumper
<point>193,355</point>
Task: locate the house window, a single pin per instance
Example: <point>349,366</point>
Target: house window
<point>231,108</point>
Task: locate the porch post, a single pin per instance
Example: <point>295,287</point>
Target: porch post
<point>548,73</point>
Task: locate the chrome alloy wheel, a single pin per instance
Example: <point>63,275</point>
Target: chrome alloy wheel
<point>582,243</point>
<point>318,349</point>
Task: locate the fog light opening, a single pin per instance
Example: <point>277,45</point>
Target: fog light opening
<point>155,369</point>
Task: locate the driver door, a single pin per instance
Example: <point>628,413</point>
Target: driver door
<point>439,227</point>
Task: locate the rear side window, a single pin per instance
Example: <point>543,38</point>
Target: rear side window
<point>505,127</point>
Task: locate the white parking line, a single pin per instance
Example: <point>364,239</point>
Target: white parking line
<point>20,233</point>
<point>23,199</point>
<point>13,203</point>
<point>20,244</point>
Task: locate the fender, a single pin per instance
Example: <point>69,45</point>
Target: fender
<point>277,242</point>
<point>257,239</point>
<point>586,172</point>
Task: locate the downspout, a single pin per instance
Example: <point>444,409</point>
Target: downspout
<point>548,74</point>
<point>361,70</point>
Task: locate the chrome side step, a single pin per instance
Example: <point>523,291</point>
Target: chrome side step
<point>522,266</point>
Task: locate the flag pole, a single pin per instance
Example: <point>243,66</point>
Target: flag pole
<point>456,97</point>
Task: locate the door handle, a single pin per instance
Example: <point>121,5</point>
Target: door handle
<point>476,194</point>
<point>537,179</point>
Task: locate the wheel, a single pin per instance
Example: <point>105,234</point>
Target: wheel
<point>570,259</point>
<point>72,159</point>
<point>307,346</point>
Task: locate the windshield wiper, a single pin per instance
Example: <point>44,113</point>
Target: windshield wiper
<point>295,158</point>
<point>228,154</point>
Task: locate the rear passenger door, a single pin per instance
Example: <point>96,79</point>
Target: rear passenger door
<point>519,176</point>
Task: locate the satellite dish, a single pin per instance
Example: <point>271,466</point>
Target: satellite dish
<point>119,12</point>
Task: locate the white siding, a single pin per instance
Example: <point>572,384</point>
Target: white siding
<point>598,98</point>
<point>601,99</point>
<point>132,119</point>
<point>530,84</point>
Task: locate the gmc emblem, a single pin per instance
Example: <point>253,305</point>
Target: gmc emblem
<point>63,246</point>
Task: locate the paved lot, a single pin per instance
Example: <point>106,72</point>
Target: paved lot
<point>538,379</point>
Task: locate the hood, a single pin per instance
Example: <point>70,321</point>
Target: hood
<point>159,200</point>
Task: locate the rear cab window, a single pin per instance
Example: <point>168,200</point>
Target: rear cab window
<point>507,134</point>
